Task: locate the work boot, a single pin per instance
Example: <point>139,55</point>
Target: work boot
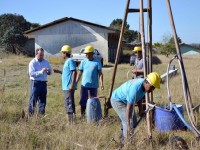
<point>83,108</point>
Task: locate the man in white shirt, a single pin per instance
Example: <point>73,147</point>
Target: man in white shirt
<point>39,68</point>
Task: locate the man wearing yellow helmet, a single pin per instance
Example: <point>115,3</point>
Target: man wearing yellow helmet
<point>92,71</point>
<point>68,82</point>
<point>138,65</point>
<point>130,93</point>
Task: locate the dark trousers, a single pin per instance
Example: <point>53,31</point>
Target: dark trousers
<point>38,92</point>
<point>69,101</point>
<point>92,92</point>
<point>84,95</point>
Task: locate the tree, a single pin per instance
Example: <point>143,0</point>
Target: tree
<point>34,25</point>
<point>12,27</point>
<point>117,24</point>
<point>168,47</point>
<point>129,35</point>
<point>172,40</point>
<point>157,45</point>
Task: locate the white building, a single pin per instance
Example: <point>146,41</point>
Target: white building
<point>76,33</point>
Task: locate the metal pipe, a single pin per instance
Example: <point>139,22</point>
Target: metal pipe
<point>144,63</point>
<point>180,58</point>
<point>117,56</point>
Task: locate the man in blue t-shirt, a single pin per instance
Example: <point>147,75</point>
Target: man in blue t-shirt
<point>68,82</point>
<point>91,70</point>
<point>130,93</point>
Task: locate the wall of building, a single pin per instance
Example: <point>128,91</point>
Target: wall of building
<point>76,34</point>
<point>187,50</point>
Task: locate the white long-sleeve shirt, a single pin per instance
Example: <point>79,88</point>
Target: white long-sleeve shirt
<point>35,69</point>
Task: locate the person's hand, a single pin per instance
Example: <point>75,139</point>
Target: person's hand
<point>44,70</point>
<point>134,71</point>
<point>102,87</point>
<point>71,89</point>
<point>55,70</point>
<point>48,71</point>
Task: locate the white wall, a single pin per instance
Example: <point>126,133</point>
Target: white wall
<point>75,34</point>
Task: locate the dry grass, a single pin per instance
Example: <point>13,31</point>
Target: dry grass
<point>51,132</point>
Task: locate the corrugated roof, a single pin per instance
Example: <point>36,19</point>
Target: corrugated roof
<point>63,20</point>
<point>182,44</point>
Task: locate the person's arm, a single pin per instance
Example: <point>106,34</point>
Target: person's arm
<point>48,69</point>
<point>129,107</point>
<point>138,67</point>
<point>140,108</point>
<point>135,71</point>
<point>131,100</point>
<point>99,66</point>
<point>32,70</point>
<point>101,80</point>
<point>80,72</point>
<point>73,79</point>
<point>57,71</point>
<point>79,76</point>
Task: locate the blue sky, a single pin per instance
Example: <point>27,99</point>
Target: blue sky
<point>186,14</point>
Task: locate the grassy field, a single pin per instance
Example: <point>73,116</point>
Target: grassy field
<point>51,131</point>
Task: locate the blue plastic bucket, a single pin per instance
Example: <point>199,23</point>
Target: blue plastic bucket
<point>166,120</point>
<point>93,110</point>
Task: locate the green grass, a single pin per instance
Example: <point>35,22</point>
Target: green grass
<point>51,131</point>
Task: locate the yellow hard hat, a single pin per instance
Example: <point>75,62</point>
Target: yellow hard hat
<point>137,48</point>
<point>154,79</point>
<point>89,49</point>
<point>66,49</point>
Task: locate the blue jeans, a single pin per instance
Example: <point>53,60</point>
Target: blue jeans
<point>93,110</point>
<point>38,92</point>
<point>120,109</point>
<point>84,94</point>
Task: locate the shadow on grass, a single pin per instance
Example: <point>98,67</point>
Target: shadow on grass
<point>156,60</point>
<point>107,66</point>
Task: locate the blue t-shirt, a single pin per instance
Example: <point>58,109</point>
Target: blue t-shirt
<point>130,91</point>
<point>90,78</point>
<point>68,68</point>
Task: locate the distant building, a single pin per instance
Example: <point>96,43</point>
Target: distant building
<point>76,33</point>
<point>188,50</point>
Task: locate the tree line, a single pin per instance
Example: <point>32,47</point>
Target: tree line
<point>12,27</point>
